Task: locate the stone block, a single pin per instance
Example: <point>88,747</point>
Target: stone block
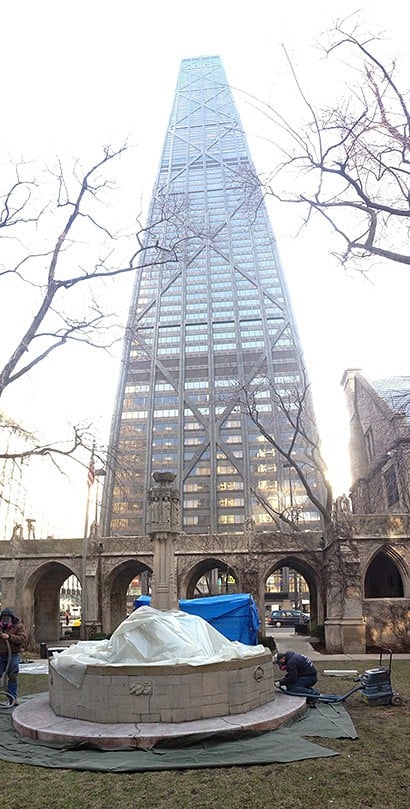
<point>161,686</point>
<point>160,701</point>
<point>236,693</point>
<point>196,686</point>
<point>215,709</point>
<point>166,715</point>
<point>151,717</point>
<point>211,683</point>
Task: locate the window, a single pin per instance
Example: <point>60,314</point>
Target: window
<point>191,520</point>
<point>135,414</point>
<point>190,440</point>
<point>226,519</point>
<point>230,485</point>
<point>369,439</point>
<point>392,490</point>
<point>225,469</point>
<point>229,502</point>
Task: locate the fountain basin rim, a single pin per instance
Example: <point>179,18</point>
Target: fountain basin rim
<point>109,669</point>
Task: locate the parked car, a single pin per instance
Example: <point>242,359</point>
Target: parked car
<point>288,617</point>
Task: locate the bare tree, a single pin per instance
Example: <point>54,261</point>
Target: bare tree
<point>298,451</point>
<point>81,437</point>
<point>63,249</point>
<point>351,162</point>
<point>56,274</point>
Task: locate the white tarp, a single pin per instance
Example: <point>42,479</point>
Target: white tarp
<point>152,637</point>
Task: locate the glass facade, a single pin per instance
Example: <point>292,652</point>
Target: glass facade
<point>210,330</point>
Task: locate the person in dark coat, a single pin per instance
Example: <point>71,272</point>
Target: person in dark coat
<point>300,675</point>
<point>13,638</point>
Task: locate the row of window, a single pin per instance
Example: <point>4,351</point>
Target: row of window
<point>223,502</point>
<point>223,519</point>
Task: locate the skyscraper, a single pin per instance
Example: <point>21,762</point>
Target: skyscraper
<point>211,345</point>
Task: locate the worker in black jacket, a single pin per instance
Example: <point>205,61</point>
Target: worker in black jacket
<point>300,675</point>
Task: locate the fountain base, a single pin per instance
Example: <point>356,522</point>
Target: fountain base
<point>35,719</point>
<point>163,693</point>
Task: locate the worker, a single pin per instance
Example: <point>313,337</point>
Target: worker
<point>300,675</point>
<point>13,638</point>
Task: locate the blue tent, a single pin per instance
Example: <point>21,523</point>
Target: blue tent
<point>235,616</point>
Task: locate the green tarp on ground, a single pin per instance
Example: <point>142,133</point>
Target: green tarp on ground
<point>283,745</point>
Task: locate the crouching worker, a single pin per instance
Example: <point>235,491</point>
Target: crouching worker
<point>13,638</point>
<point>300,675</point>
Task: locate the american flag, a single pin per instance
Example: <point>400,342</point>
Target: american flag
<point>91,471</point>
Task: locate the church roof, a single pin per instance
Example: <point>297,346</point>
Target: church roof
<point>395,391</point>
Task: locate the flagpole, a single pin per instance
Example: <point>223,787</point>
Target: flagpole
<point>87,512</point>
<point>96,502</point>
<point>90,481</point>
<point>84,569</point>
<point>84,573</point>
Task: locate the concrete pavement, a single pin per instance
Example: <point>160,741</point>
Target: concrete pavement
<point>287,640</point>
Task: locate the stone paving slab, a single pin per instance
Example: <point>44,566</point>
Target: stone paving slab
<point>35,719</point>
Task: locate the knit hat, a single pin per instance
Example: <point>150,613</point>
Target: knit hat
<point>7,611</point>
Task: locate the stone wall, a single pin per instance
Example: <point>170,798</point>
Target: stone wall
<point>388,623</point>
<point>334,566</point>
<point>177,693</point>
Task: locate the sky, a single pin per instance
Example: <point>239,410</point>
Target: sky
<point>82,75</point>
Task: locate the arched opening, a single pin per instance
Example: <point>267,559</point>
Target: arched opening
<point>41,600</point>
<point>291,586</point>
<point>211,578</point>
<point>287,587</point>
<point>70,608</point>
<point>139,585</point>
<point>125,580</point>
<point>383,578</point>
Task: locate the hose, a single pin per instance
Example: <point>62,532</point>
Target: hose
<point>11,701</point>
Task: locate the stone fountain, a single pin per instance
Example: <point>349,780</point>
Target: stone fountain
<point>163,673</point>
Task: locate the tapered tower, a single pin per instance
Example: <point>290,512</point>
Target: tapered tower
<point>211,347</point>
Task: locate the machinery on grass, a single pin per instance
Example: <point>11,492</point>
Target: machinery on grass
<point>374,685</point>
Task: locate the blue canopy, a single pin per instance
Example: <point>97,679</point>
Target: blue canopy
<point>235,616</point>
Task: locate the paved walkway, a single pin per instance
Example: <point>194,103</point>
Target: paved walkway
<point>301,644</point>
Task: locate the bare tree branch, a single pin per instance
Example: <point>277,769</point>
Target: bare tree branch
<point>301,451</point>
<point>351,164</point>
<point>50,274</point>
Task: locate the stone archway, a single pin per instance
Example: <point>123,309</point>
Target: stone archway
<point>383,577</point>
<point>41,600</point>
<point>218,578</point>
<point>114,605</point>
<point>310,575</point>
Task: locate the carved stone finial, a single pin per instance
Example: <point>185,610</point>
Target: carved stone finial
<point>163,514</point>
<point>164,477</point>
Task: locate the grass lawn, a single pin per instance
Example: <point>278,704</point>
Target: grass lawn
<point>370,772</point>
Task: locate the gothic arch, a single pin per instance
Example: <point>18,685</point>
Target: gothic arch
<point>384,575</point>
<point>210,568</point>
<point>115,588</point>
<point>41,600</point>
<point>311,577</point>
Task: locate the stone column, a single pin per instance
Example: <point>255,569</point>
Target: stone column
<point>163,526</point>
<point>345,628</point>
